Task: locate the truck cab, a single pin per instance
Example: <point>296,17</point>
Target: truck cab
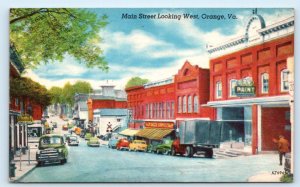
<point>51,149</point>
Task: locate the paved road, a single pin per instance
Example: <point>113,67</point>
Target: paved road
<point>87,164</point>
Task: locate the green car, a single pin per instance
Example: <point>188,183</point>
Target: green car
<point>51,149</point>
<point>88,136</point>
<point>165,147</point>
<point>93,142</point>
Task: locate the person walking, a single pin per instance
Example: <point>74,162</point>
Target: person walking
<point>283,147</point>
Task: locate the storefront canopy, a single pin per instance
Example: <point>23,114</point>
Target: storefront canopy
<point>129,132</point>
<point>153,133</point>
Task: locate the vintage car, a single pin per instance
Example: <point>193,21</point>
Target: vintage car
<point>112,143</point>
<point>93,142</point>
<point>54,124</point>
<point>73,140</point>
<point>67,136</point>
<point>138,145</point>
<point>164,147</point>
<point>51,149</point>
<point>65,127</point>
<point>122,144</point>
<point>87,136</point>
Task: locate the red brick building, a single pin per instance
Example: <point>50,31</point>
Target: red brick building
<point>258,60</point>
<point>166,102</point>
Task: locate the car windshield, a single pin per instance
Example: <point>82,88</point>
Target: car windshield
<point>73,138</point>
<point>51,140</point>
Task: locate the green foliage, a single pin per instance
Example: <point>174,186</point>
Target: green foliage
<point>66,94</point>
<point>44,35</point>
<point>288,178</point>
<point>25,87</point>
<point>136,81</point>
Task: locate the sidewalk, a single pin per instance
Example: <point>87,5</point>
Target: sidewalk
<point>23,165</point>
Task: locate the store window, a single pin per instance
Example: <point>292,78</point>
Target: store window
<point>184,104</point>
<point>265,83</point>
<point>196,104</point>
<point>179,105</point>
<point>284,80</point>
<point>172,109</point>
<point>232,86</point>
<point>218,89</point>
<point>190,106</point>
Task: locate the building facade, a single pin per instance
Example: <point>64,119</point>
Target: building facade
<point>249,86</point>
<point>161,105</point>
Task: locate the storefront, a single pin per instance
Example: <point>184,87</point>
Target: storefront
<point>157,130</point>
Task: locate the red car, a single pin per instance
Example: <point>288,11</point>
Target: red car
<point>122,144</point>
<point>65,127</point>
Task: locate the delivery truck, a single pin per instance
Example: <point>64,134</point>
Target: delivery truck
<point>197,137</point>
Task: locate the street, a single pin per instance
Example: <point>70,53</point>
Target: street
<point>101,164</point>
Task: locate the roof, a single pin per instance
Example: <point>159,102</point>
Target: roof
<point>111,112</point>
<point>101,97</point>
<point>16,60</point>
<point>154,134</point>
<point>129,132</point>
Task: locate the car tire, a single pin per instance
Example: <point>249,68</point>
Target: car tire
<point>188,151</point>
<point>39,163</point>
<point>157,151</point>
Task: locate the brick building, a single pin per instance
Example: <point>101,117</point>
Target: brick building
<point>256,61</point>
<point>163,104</point>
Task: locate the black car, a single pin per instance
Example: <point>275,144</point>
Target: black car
<point>54,124</point>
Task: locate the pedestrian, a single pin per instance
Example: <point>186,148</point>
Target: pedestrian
<point>283,147</point>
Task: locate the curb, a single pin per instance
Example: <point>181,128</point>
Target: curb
<point>21,177</point>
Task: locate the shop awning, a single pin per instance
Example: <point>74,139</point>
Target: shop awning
<point>129,132</point>
<point>153,133</point>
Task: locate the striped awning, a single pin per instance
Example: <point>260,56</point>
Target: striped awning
<point>129,132</point>
<point>153,133</point>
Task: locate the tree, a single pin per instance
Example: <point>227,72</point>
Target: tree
<point>136,81</point>
<point>56,94</point>
<point>45,35</point>
<point>25,87</point>
<point>66,94</point>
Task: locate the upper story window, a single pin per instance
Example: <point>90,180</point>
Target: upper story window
<point>233,84</point>
<point>218,89</point>
<point>172,109</point>
<point>265,83</point>
<point>284,83</point>
<point>16,101</point>
<point>184,104</point>
<point>190,105</point>
<point>179,104</point>
<point>196,104</point>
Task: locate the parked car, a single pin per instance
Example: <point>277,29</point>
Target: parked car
<point>66,137</point>
<point>112,143</point>
<point>152,146</point>
<point>164,147</point>
<point>138,145</point>
<point>73,140</point>
<point>65,127</point>
<point>88,136</point>
<point>93,142</point>
<point>54,124</point>
<point>51,149</point>
<point>122,144</point>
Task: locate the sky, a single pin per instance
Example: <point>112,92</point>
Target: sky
<point>152,48</point>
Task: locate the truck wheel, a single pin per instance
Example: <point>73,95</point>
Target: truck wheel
<point>40,163</point>
<point>188,151</point>
<point>173,152</point>
<point>209,153</point>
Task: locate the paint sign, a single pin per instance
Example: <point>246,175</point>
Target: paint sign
<point>167,125</point>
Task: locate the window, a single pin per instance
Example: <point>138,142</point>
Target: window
<point>179,105</point>
<point>147,111</point>
<point>265,83</point>
<point>184,104</point>
<point>284,80</point>
<point>168,110</point>
<point>163,110</point>
<point>195,104</point>
<point>172,109</point>
<point>233,83</point>
<point>218,89</point>
<point>16,101</point>
<point>150,110</point>
<point>190,106</point>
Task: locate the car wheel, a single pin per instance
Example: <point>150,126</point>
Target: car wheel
<point>157,151</point>
<point>40,163</point>
<point>135,150</point>
<point>188,152</point>
<point>166,152</point>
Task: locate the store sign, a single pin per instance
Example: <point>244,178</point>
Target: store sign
<point>167,125</point>
<point>25,118</point>
<point>245,88</point>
